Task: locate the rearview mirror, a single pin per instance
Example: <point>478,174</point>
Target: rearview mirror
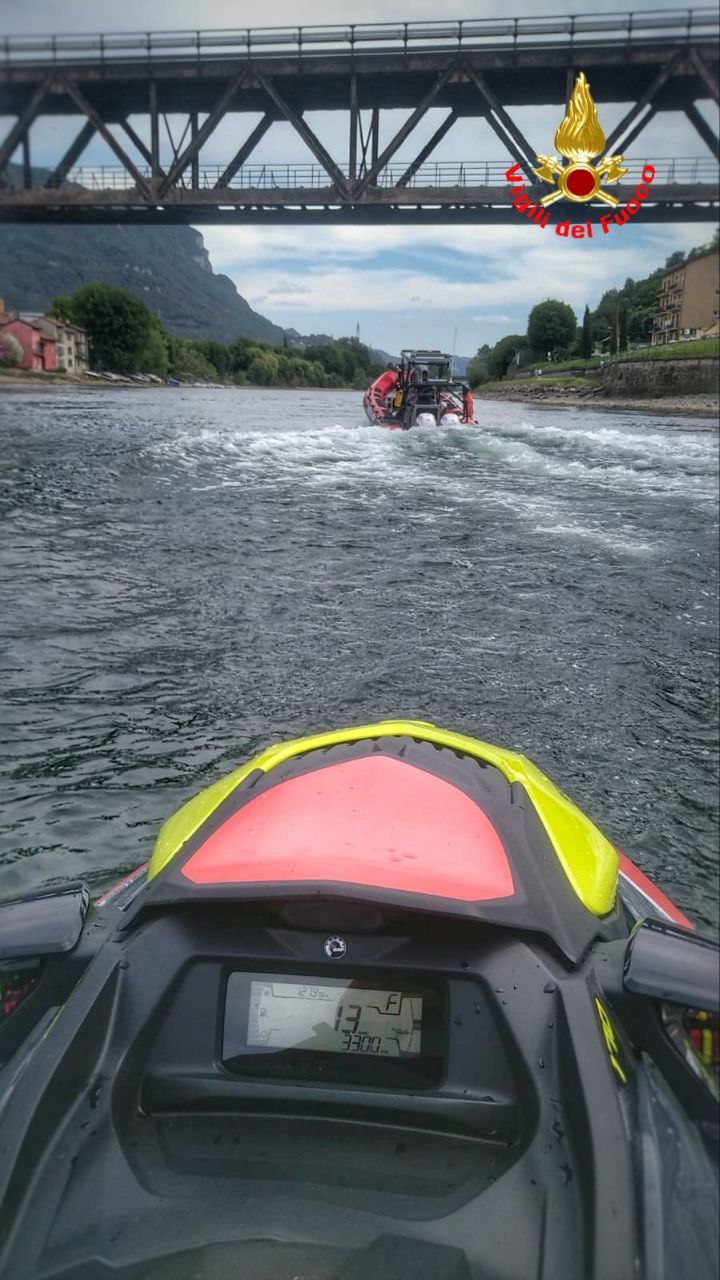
<point>679,966</point>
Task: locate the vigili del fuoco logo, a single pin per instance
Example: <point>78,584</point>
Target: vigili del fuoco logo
<point>580,140</point>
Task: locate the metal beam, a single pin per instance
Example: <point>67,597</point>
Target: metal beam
<point>176,148</point>
<point>527,155</point>
<point>402,133</point>
<point>88,109</point>
<point>704,71</point>
<point>428,149</point>
<point>314,144</point>
<point>190,214</point>
<point>154,130</point>
<point>195,158</point>
<point>507,141</point>
<point>27,164</point>
<point>374,136</point>
<point>180,164</point>
<point>23,122</point>
<point>364,144</point>
<point>706,133</point>
<point>645,101</point>
<point>243,152</point>
<point>638,128</point>
<point>137,142</point>
<point>354,110</point>
<point>72,155</point>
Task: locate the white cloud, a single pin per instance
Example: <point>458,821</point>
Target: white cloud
<point>350,273</point>
<point>110,15</point>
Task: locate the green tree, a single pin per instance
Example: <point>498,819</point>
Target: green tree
<point>154,357</point>
<point>708,247</point>
<point>615,328</point>
<point>623,327</point>
<point>187,361</point>
<point>10,351</point>
<point>215,353</point>
<point>504,352</point>
<point>586,345</point>
<point>477,371</point>
<point>117,323</point>
<point>241,353</point>
<point>676,259</point>
<point>264,369</point>
<point>551,327</point>
<point>61,308</point>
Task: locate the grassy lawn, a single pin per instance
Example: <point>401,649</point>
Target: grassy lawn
<point>559,383</point>
<point>674,351</point>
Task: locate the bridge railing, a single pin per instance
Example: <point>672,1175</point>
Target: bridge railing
<point>656,25</point>
<point>483,173</point>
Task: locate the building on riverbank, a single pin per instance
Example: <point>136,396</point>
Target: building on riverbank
<point>689,302</point>
<point>37,341</point>
<point>48,344</point>
<point>71,341</point>
<point>72,347</point>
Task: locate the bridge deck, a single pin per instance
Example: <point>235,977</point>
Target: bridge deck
<point>125,88</point>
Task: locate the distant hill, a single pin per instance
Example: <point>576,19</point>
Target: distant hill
<point>167,267</point>
<point>300,340</point>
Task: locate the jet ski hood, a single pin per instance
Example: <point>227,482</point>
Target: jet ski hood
<point>400,814</point>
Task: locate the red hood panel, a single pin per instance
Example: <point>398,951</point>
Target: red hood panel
<point>375,821</point>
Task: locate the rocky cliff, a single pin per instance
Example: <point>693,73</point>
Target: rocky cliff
<point>168,267</point>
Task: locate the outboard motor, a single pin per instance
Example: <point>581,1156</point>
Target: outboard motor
<point>426,420</point>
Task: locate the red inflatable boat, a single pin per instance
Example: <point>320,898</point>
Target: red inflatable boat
<point>419,392</point>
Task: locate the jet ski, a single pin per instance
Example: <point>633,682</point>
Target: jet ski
<point>419,392</point>
<point>382,1004</point>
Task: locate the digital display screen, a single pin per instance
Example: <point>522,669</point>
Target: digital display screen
<point>333,1019</point>
<point>381,1030</point>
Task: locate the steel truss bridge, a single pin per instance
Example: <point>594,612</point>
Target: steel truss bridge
<point>131,89</point>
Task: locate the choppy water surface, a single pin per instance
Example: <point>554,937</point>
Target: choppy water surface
<point>187,575</point>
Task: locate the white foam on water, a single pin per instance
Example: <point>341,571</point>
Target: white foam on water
<point>464,464</point>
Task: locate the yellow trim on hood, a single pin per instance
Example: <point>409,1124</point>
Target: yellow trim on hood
<point>588,859</point>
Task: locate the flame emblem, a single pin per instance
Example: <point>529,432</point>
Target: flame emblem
<point>580,139</point>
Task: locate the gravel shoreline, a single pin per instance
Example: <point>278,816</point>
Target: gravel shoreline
<point>696,406</point>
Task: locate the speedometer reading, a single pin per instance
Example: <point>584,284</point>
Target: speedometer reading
<point>334,1019</point>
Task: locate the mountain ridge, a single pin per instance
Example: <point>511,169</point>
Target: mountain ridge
<point>167,267</point>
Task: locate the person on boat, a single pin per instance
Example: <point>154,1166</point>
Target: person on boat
<point>468,404</point>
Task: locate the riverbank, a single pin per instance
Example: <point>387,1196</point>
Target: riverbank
<point>32,378</point>
<point>700,405</point>
<point>13,379</point>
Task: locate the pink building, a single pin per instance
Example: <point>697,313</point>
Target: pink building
<point>36,338</point>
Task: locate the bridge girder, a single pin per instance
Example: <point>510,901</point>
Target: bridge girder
<point>482,81</point>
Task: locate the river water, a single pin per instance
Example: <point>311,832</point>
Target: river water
<point>188,575</point>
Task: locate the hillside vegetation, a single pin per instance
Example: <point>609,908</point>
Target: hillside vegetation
<point>126,337</point>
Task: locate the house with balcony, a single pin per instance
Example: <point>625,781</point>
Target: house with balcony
<point>689,302</point>
<point>72,346</point>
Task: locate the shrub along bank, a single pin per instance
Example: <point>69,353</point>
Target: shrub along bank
<point>126,338</point>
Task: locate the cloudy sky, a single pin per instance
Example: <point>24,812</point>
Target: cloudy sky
<point>402,285</point>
